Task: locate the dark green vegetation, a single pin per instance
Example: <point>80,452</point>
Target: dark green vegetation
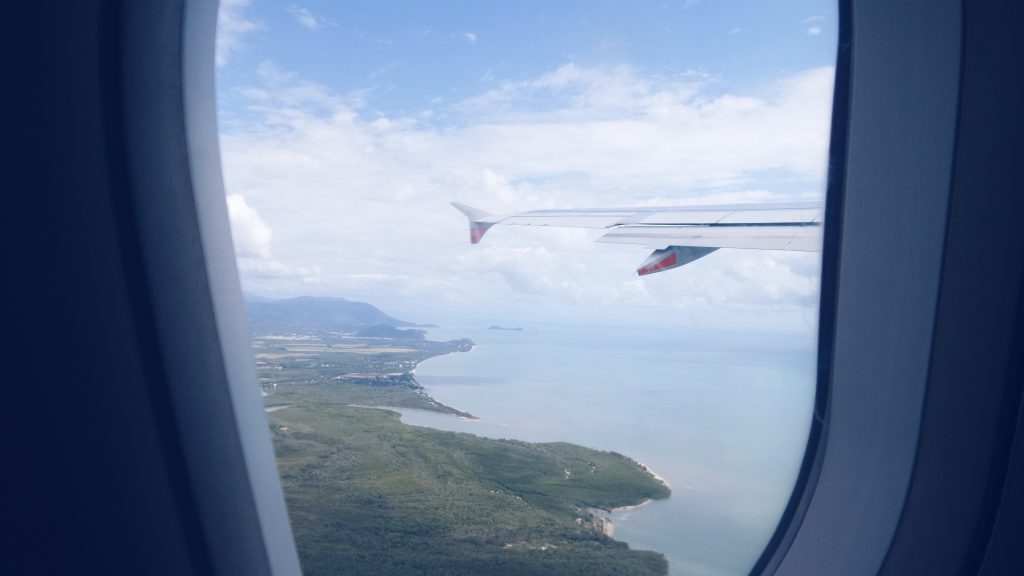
<point>369,495</point>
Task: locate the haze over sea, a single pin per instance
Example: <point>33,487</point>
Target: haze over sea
<point>721,416</point>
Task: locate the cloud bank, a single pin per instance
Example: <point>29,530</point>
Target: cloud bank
<point>361,198</point>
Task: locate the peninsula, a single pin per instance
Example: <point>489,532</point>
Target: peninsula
<point>368,494</point>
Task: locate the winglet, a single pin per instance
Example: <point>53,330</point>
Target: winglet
<point>672,257</point>
<point>479,221</point>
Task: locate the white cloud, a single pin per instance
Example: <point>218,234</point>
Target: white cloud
<point>232,27</point>
<point>306,18</point>
<point>470,37</point>
<point>252,237</point>
<point>250,233</point>
<point>360,204</point>
<point>816,23</point>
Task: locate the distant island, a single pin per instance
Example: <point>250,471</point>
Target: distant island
<point>516,329</point>
<point>368,494</point>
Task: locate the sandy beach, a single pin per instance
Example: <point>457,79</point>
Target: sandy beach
<point>655,474</point>
<point>632,506</point>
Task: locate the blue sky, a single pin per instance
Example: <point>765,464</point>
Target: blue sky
<point>347,127</point>
<point>403,55</point>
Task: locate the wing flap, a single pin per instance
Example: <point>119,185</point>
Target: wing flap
<point>790,213</point>
<point>778,216</point>
<point>758,237</point>
<point>572,218</point>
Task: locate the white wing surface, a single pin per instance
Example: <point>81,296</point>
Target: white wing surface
<point>678,235</point>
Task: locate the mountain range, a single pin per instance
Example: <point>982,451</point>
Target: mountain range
<point>309,314</point>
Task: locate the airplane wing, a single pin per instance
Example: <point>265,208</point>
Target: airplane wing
<point>678,235</point>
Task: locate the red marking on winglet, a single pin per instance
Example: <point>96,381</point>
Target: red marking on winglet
<point>665,263</point>
<point>477,231</point>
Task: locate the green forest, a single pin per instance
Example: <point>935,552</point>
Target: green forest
<point>369,495</point>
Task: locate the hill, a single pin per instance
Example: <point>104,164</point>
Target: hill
<point>390,332</point>
<point>369,495</point>
<point>308,315</point>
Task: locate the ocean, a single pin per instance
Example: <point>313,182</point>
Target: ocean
<point>723,417</point>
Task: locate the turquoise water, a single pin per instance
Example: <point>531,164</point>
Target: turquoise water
<point>722,417</point>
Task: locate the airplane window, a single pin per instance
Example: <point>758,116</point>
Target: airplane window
<point>617,374</point>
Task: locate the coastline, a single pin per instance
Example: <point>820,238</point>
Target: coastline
<point>503,490</point>
<point>655,474</point>
<point>445,409</point>
<point>601,518</point>
<point>471,348</point>
<point>645,502</point>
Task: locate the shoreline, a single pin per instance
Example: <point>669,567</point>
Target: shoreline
<point>655,474</point>
<point>607,526</point>
<point>645,502</point>
<point>472,347</point>
<point>450,410</point>
<point>602,521</point>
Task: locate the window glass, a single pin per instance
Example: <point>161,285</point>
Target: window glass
<point>546,406</point>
